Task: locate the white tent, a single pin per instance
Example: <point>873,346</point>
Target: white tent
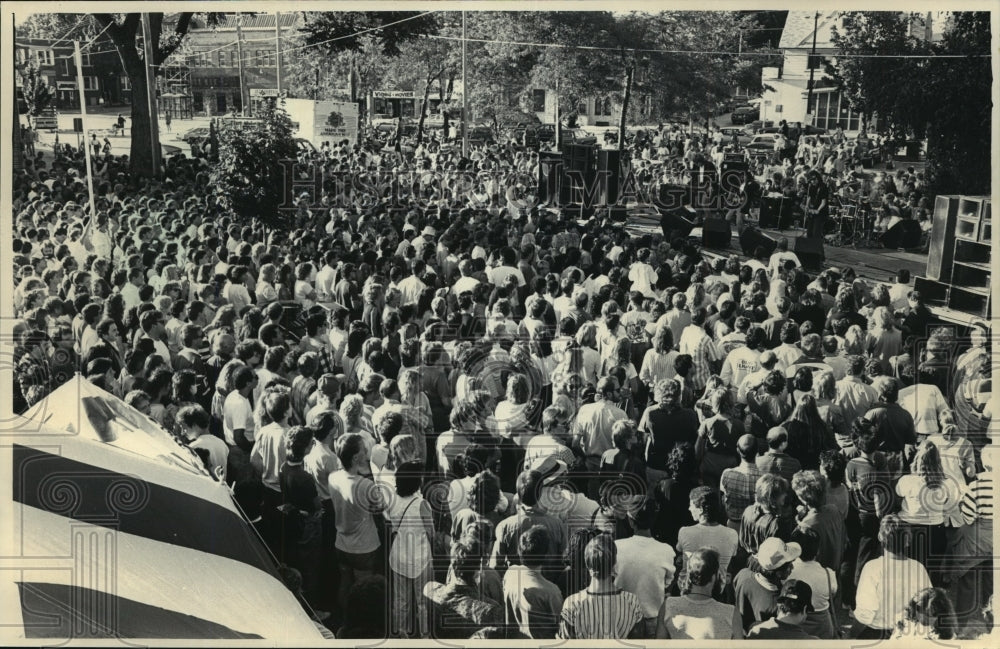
<point>116,532</point>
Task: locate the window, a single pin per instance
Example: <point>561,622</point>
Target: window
<point>90,83</point>
<point>232,59</point>
<point>86,58</point>
<point>46,57</point>
<point>780,108</point>
<point>221,58</point>
<point>68,67</point>
<point>257,58</point>
<point>126,83</point>
<point>538,100</point>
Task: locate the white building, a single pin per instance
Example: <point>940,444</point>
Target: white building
<point>790,82</point>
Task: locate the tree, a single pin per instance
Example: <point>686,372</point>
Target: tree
<point>252,163</point>
<point>125,31</point>
<point>945,99</point>
<point>421,62</point>
<point>36,92</point>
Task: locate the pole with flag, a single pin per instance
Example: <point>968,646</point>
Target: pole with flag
<point>86,143</point>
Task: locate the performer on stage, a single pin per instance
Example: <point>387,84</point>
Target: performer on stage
<point>817,205</point>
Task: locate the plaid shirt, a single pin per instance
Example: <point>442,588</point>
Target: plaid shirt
<point>737,487</point>
<point>703,352</point>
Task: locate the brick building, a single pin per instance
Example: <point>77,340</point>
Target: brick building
<point>104,80</point>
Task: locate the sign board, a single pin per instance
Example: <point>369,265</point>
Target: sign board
<point>334,121</point>
<point>393,94</point>
<point>267,92</point>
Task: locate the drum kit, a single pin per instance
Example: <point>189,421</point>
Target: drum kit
<point>856,224</point>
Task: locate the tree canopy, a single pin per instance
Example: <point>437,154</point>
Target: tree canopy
<point>938,89</point>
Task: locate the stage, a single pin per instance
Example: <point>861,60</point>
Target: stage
<point>873,264</point>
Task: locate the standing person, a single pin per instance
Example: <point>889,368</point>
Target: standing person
<point>268,453</point>
<point>758,586</point>
<point>167,120</point>
<point>592,428</point>
<point>706,510</point>
<point>355,498</point>
<point>532,602</point>
<point>820,516</point>
<point>737,483</point>
<point>645,566</point>
<point>930,502</point>
<point>887,583</point>
<point>301,511</point>
<point>601,611</point>
<point>820,621</point>
<point>794,606</point>
<point>459,608</point>
<point>410,554</point>
<point>696,614</point>
<point>193,422</point>
<point>664,425</point>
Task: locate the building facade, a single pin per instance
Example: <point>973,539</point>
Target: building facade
<point>211,55</point>
<point>786,89</point>
<point>104,80</point>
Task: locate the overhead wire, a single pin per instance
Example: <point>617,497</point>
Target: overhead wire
<point>709,52</point>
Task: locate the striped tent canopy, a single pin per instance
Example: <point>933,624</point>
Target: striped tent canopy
<point>113,531</point>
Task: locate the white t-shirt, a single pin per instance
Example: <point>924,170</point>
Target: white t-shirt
<point>721,538</point>
<point>236,414</point>
<point>644,567</point>
<point>218,452</point>
<point>498,275</point>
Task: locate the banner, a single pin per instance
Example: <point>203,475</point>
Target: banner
<point>393,94</point>
<point>334,121</point>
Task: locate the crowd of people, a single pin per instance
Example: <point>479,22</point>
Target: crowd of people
<point>475,419</point>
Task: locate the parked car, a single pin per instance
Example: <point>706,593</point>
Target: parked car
<point>742,137</point>
<point>745,114</point>
<point>768,130</point>
<point>761,144</point>
<point>196,134</point>
<point>754,126</point>
<point>547,134</point>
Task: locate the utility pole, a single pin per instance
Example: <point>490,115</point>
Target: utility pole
<point>154,118</point>
<point>812,64</point>
<point>740,51</point>
<point>277,48</point>
<point>465,96</point>
<point>86,143</point>
<point>239,56</point>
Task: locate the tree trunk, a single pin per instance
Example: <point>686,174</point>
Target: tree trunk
<point>423,108</point>
<point>141,152</point>
<point>624,118</point>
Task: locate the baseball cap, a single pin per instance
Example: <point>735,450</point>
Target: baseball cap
<point>795,590</point>
<point>774,553</point>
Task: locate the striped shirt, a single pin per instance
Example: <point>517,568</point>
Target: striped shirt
<point>657,366</point>
<point>977,503</point>
<point>599,616</point>
<point>704,353</point>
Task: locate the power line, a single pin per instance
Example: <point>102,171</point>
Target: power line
<point>712,52</point>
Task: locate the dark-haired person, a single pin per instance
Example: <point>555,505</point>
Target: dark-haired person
<point>887,583</point>
<point>854,395</point>
<point>527,515</point>
<point>869,481</point>
<point>532,603</point>
<point>706,509</point>
<point>820,620</point>
<point>929,615</point>
<point>301,510</point>
<point>820,516</point>
<point>794,605</point>
<point>458,607</point>
<point>696,614</point>
<point>410,518</point>
<point>664,425</point>
<point>737,483</point>
<point>192,423</point>
<point>646,566</point>
<point>601,611</point>
<point>893,425</point>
